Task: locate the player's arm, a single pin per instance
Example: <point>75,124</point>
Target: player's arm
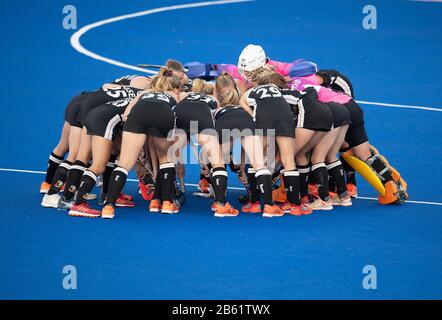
<point>336,81</point>
<point>131,105</point>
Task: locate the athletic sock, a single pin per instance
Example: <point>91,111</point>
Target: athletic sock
<point>110,166</point>
<point>253,188</point>
<point>157,191</point>
<point>60,177</point>
<point>53,163</point>
<point>336,174</point>
<point>381,169</point>
<point>219,184</point>
<point>320,176</point>
<point>73,179</point>
<point>116,183</point>
<point>87,183</point>
<point>167,173</point>
<point>264,184</point>
<point>349,172</point>
<point>304,172</point>
<point>291,184</point>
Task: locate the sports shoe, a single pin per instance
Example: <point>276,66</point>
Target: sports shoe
<point>302,209</point>
<point>286,207</point>
<point>127,197</point>
<point>305,200</point>
<point>65,204</point>
<point>90,196</point>
<point>313,190</point>
<point>169,208</point>
<point>204,189</point>
<point>344,202</point>
<point>251,207</point>
<point>123,201</point>
<point>44,187</point>
<point>155,205</point>
<point>146,191</point>
<point>320,204</point>
<point>352,190</point>
<point>272,211</point>
<point>84,210</point>
<point>225,210</point>
<point>108,211</point>
<point>51,201</point>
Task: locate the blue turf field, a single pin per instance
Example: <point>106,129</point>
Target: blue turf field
<point>193,255</point>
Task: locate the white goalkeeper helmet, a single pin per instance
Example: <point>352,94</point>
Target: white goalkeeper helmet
<point>251,58</point>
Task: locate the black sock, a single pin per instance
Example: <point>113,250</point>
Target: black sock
<point>219,184</point>
<point>116,184</point>
<point>167,182</point>
<point>336,174</point>
<point>349,172</point>
<point>381,169</point>
<point>253,188</point>
<point>304,172</point>
<point>53,163</point>
<point>87,183</point>
<point>73,179</point>
<point>291,185</point>
<point>110,166</point>
<point>60,177</point>
<point>157,191</point>
<point>264,184</point>
<point>320,176</point>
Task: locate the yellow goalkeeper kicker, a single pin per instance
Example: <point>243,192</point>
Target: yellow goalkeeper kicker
<point>365,171</point>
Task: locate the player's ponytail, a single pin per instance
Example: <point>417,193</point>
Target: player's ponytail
<point>165,80</point>
<point>226,90</point>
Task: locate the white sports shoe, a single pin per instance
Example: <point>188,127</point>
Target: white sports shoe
<point>51,201</point>
<point>319,204</point>
<point>346,202</point>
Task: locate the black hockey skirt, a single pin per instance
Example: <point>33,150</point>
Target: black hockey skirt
<point>274,117</point>
<point>152,118</point>
<point>233,122</point>
<point>73,108</point>
<point>356,133</point>
<point>341,115</point>
<point>198,113</point>
<point>313,115</point>
<point>104,121</point>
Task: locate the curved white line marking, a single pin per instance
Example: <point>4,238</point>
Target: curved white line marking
<point>75,38</point>
<point>75,42</point>
<point>231,188</point>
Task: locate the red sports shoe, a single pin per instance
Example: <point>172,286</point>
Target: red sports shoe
<point>251,207</point>
<point>123,202</point>
<point>84,210</point>
<point>146,191</point>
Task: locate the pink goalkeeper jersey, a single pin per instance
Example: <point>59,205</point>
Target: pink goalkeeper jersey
<point>324,94</point>
<point>282,68</point>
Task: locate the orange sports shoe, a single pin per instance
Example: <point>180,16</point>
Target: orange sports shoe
<point>302,209</point>
<point>204,186</point>
<point>225,210</point>
<point>313,190</point>
<point>169,207</point>
<point>155,205</point>
<point>352,190</point>
<point>251,207</point>
<point>44,187</point>
<point>272,211</point>
<point>108,212</point>
<point>146,191</point>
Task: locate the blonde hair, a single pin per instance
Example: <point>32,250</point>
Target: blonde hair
<point>226,90</point>
<point>201,86</point>
<point>264,75</point>
<point>165,80</point>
